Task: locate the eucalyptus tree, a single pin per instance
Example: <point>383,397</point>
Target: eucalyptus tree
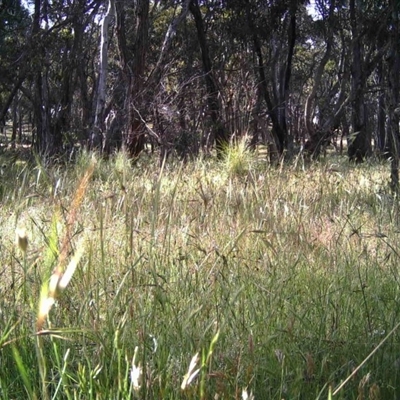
<point>271,28</point>
<point>14,28</point>
<point>110,72</point>
<point>324,56</point>
<point>99,117</point>
<point>219,131</point>
<point>368,22</point>
<point>393,91</point>
<point>356,40</point>
<point>327,93</point>
<point>56,83</point>
<point>142,67</point>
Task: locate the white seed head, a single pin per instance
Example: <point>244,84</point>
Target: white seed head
<point>21,239</point>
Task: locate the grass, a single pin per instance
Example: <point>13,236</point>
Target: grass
<point>208,280</point>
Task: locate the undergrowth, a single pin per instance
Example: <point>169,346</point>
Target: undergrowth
<point>208,280</point>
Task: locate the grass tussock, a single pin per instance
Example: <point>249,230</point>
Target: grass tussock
<point>205,280</point>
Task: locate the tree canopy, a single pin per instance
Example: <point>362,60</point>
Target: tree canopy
<point>186,76</point>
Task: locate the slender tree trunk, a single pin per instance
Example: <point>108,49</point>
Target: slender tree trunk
<point>8,102</point>
<point>44,143</point>
<point>62,120</point>
<point>255,112</point>
<point>309,108</point>
<point>14,121</point>
<point>156,73</point>
<point>285,85</point>
<point>221,136</point>
<point>394,97</point>
<point>278,135</point>
<point>277,132</point>
<point>82,82</point>
<point>382,143</point>
<point>282,67</point>
<point>38,85</point>
<point>134,139</point>
<point>360,145</point>
<point>124,107</point>
<point>96,141</point>
<point>315,141</point>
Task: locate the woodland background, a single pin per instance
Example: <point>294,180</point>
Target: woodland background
<point>183,76</point>
<point>228,276</point>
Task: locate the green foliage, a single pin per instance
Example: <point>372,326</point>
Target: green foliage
<point>238,158</point>
<point>276,286</point>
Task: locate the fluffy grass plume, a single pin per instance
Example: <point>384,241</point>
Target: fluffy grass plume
<point>62,274</point>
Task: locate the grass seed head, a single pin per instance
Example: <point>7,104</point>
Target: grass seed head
<point>192,373</point>
<point>136,372</point>
<point>246,395</point>
<point>21,239</point>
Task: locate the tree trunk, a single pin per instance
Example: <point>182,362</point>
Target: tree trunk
<point>360,144</point>
<point>309,109</point>
<point>8,102</point>
<point>278,134</point>
<point>281,65</point>
<point>221,136</point>
<point>319,139</point>
<point>82,82</point>
<point>382,143</point>
<point>96,141</point>
<point>134,138</point>
<point>156,73</point>
<point>62,120</point>
<point>284,86</point>
<point>41,99</point>
<point>394,96</point>
<point>14,121</point>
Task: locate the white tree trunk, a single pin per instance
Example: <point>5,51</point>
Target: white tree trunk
<point>97,135</point>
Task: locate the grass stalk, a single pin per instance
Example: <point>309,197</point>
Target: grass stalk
<point>138,272</point>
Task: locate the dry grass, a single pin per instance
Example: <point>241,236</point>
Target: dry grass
<point>282,280</point>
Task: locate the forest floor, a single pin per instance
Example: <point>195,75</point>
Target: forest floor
<point>213,280</point>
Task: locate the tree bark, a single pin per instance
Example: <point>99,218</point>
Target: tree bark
<point>309,109</point>
<point>15,119</point>
<point>287,67</point>
<point>278,133</point>
<point>394,97</point>
<point>156,73</point>
<point>360,144</point>
<point>280,82</point>
<point>96,141</point>
<point>323,135</point>
<point>134,138</point>
<point>382,142</point>
<point>221,136</point>
<point>8,102</point>
<point>41,106</point>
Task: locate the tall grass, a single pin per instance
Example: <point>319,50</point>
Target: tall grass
<point>206,280</point>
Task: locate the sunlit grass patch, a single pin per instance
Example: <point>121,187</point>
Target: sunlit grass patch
<point>281,281</point>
